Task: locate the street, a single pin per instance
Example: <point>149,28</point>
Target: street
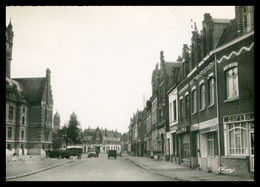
<point>96,169</point>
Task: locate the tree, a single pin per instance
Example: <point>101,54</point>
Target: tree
<point>59,136</point>
<point>74,131</point>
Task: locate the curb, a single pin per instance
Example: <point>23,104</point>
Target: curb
<point>173,177</point>
<point>141,166</point>
<point>37,171</point>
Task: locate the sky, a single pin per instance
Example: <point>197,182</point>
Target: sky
<point>101,57</point>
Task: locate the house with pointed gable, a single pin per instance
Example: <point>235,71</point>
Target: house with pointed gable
<point>29,108</point>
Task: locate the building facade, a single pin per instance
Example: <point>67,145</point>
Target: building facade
<point>202,106</point>
<point>29,109</point>
<point>102,139</point>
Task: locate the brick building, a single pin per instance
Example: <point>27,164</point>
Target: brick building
<point>29,105</point>
<point>202,106</point>
<point>102,139</point>
<point>216,99</point>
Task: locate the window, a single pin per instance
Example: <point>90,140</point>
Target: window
<point>202,96</point>
<point>11,112</point>
<point>210,141</point>
<point>232,83</point>
<point>237,139</point>
<point>181,108</point>
<point>22,134</point>
<point>174,111</point>
<point>211,91</point>
<point>187,106</point>
<point>194,105</point>
<point>23,120</point>
<point>170,112</point>
<point>248,18</point>
<point>186,150</point>
<point>9,147</point>
<point>9,132</point>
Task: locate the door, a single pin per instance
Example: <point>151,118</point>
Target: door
<point>252,151</point>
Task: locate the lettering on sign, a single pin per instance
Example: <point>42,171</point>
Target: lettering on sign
<point>239,118</point>
<point>224,170</point>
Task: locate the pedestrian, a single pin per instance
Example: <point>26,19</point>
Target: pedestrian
<point>97,152</point>
<point>152,152</point>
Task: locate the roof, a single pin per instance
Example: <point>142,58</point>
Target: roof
<point>12,82</point>
<point>33,87</point>
<point>169,66</point>
<point>220,20</point>
<point>229,33</point>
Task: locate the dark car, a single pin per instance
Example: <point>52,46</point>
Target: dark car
<point>92,152</point>
<point>112,153</point>
<point>71,151</point>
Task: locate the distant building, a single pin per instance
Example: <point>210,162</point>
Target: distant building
<point>102,140</point>
<point>56,122</point>
<point>29,106</point>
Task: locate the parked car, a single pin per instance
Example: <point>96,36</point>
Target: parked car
<point>92,152</point>
<point>112,153</point>
<point>71,151</point>
<point>75,150</point>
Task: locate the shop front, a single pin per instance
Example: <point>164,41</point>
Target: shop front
<point>184,145</point>
<point>208,153</point>
<point>239,142</point>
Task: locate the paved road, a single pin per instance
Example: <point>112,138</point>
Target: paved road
<point>96,169</point>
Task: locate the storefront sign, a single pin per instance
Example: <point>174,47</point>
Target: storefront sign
<point>208,129</point>
<point>183,129</point>
<point>242,117</point>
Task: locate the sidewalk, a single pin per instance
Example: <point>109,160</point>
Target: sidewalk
<point>18,166</point>
<point>183,173</point>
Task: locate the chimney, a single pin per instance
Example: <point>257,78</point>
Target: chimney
<point>207,17</point>
<point>239,19</point>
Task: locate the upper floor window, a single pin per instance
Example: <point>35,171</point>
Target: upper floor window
<point>181,108</point>
<point>170,111</point>
<point>22,134</point>
<point>23,120</point>
<point>11,112</point>
<point>232,82</point>
<point>194,101</point>
<point>187,106</point>
<point>9,132</point>
<point>211,90</point>
<point>202,96</point>
<point>248,18</point>
<point>174,110</point>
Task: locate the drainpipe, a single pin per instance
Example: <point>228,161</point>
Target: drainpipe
<point>216,82</point>
<point>191,141</point>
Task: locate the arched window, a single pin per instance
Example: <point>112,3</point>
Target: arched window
<point>202,96</point>
<point>237,139</point>
<point>194,101</point>
<point>232,83</point>
<point>211,90</point>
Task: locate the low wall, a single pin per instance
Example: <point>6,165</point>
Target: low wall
<point>209,164</point>
<point>240,164</point>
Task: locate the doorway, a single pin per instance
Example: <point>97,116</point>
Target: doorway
<point>252,151</point>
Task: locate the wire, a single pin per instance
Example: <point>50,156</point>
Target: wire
<point>182,16</point>
<point>187,30</point>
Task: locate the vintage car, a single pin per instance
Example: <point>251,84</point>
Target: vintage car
<point>112,153</point>
<point>71,151</point>
<point>92,152</point>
